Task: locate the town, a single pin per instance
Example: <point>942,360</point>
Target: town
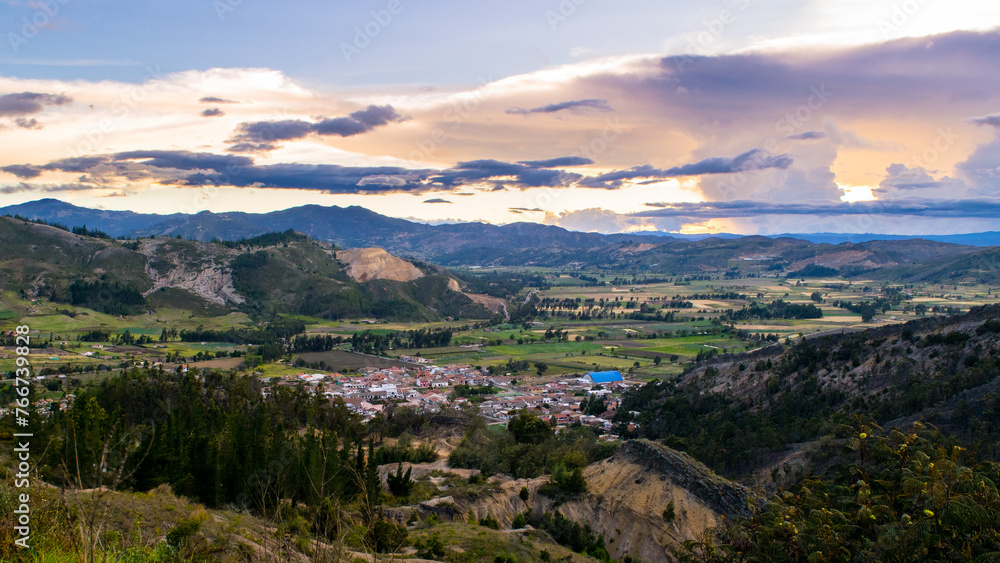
<point>591,399</point>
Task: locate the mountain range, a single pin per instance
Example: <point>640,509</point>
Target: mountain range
<point>950,258</point>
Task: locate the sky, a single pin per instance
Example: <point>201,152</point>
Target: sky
<point>737,116</point>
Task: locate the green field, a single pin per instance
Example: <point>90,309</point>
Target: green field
<point>613,342</point>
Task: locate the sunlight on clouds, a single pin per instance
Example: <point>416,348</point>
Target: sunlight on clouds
<point>703,228</point>
<point>857,193</point>
<point>857,22</point>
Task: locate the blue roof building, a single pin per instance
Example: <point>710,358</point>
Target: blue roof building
<point>603,377</point>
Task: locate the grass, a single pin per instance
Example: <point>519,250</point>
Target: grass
<point>133,529</point>
<point>519,350</point>
<point>469,543</point>
<point>138,331</point>
<point>691,345</point>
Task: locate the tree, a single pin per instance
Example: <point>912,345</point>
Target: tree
<point>569,480</point>
<point>400,484</point>
<point>433,548</point>
<point>913,496</point>
<point>385,536</point>
<point>541,368</point>
<point>529,429</point>
<point>657,360</point>
<point>520,521</point>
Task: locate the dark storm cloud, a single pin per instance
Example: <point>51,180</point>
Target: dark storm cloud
<point>26,103</point>
<point>753,159</point>
<point>212,112</point>
<point>259,136</point>
<point>576,106</point>
<point>558,162</point>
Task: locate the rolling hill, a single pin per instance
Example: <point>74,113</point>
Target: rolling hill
<point>264,276</point>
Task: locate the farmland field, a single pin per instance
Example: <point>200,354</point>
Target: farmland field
<point>578,327</point>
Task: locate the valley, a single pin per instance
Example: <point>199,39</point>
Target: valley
<point>471,380</point>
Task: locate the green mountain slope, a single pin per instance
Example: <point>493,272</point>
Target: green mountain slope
<point>268,275</point>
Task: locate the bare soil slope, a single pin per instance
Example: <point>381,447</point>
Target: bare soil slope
<point>366,264</point>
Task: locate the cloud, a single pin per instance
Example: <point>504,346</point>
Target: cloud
<point>268,131</point>
<point>23,171</point>
<point>558,162</point>
<point>504,173</point>
<point>524,210</point>
<point>321,177</point>
<point>389,180</point>
<point>605,221</point>
<point>753,159</point>
<point>850,139</point>
<point>184,160</point>
<point>42,188</point>
<point>212,112</point>
<point>260,136</point>
<point>992,120</point>
<point>575,106</point>
<point>988,208</point>
<point>76,164</point>
<point>216,100</point>
<point>26,123</point>
<point>184,168</point>
<point>982,168</point>
<point>807,136</point>
<point>436,200</point>
<point>901,177</point>
<point>26,103</point>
